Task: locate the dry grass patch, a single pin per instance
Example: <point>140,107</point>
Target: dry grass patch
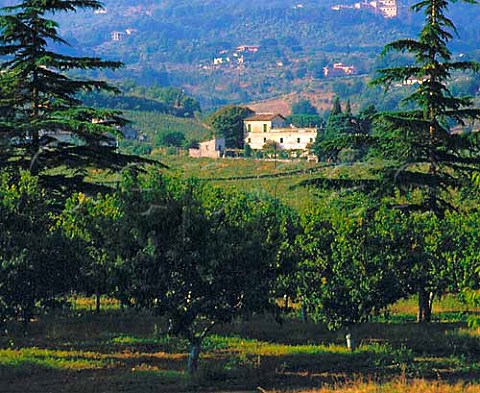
<point>447,304</point>
<point>398,386</point>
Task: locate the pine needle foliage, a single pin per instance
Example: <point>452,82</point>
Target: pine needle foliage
<point>43,125</point>
<point>428,146</point>
<point>430,150</point>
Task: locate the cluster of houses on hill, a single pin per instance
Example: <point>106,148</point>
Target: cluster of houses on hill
<point>119,35</point>
<point>235,58</point>
<point>260,130</point>
<point>387,8</point>
<point>339,69</point>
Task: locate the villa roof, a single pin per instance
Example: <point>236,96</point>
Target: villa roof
<point>264,117</point>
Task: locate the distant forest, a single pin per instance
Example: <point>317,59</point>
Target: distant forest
<point>175,42</point>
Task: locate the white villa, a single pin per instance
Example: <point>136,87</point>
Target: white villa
<point>263,127</point>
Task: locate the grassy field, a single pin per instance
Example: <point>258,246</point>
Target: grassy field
<point>127,351</point>
<point>285,180</point>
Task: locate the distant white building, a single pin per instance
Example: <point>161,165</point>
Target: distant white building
<point>214,148</point>
<point>248,48</point>
<point>264,127</point>
<point>339,69</point>
<point>117,35</point>
<point>387,8</point>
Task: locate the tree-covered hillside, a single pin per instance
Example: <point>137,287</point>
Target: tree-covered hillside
<point>175,43</point>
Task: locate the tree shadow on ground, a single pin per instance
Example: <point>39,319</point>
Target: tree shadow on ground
<point>126,363</point>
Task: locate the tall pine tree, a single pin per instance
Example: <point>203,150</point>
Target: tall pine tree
<point>428,152</point>
<point>428,145</point>
<point>431,152</point>
<point>43,125</point>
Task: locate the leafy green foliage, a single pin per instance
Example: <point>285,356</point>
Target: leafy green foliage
<point>304,107</point>
<point>35,261</point>
<point>350,267</point>
<point>271,148</point>
<point>195,254</point>
<point>198,248</point>
<point>175,138</point>
<point>345,132</point>
<point>427,152</point>
<point>305,121</point>
<point>356,265</point>
<point>228,122</point>
<point>94,223</point>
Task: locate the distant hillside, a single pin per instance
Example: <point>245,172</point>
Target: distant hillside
<point>151,130</point>
<point>239,51</point>
<point>321,98</point>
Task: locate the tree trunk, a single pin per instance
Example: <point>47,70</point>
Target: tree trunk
<point>35,135</point>
<point>196,348</point>
<point>97,302</point>
<point>304,313</point>
<point>351,341</point>
<point>193,355</point>
<point>26,317</point>
<point>425,300</point>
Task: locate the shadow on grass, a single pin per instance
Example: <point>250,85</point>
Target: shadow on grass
<point>434,339</point>
<point>100,354</point>
<point>35,379</point>
<point>232,371</point>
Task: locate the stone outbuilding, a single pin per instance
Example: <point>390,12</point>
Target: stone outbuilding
<point>214,148</point>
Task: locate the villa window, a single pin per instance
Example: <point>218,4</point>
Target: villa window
<point>265,127</point>
<point>281,140</point>
<point>249,140</point>
<point>298,140</point>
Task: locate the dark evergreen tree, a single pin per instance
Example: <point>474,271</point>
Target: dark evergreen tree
<point>304,107</point>
<point>343,131</point>
<point>46,126</point>
<point>336,108</point>
<point>428,150</point>
<point>348,108</point>
<point>431,151</point>
<point>429,145</point>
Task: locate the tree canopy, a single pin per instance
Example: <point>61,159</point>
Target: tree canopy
<point>432,136</point>
<point>228,122</point>
<point>43,124</point>
<point>427,150</point>
<point>304,107</point>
